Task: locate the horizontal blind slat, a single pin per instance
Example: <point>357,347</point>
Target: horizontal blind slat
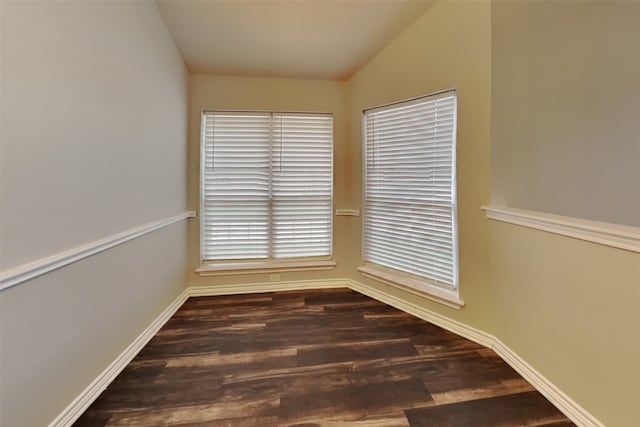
<point>409,221</point>
<point>267,176</point>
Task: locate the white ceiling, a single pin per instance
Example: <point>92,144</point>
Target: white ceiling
<point>326,39</point>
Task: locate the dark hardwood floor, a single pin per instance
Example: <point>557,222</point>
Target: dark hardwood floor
<point>314,358</point>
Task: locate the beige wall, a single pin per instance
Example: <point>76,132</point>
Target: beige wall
<point>94,105</point>
<point>565,140</point>
<point>541,294</point>
<point>402,70</point>
<point>254,93</point>
<point>566,134</point>
<point>448,47</point>
<point>406,68</point>
<point>569,308</point>
<point>109,154</point>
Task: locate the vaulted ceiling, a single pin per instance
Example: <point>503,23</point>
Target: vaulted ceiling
<point>326,39</point>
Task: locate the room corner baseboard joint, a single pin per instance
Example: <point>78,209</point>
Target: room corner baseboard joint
<point>564,403</point>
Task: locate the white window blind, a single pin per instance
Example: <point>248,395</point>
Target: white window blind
<point>267,181</point>
<point>410,192</point>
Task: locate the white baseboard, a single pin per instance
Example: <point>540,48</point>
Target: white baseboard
<point>444,322</point>
<point>564,403</point>
<point>80,404</point>
<point>560,400</point>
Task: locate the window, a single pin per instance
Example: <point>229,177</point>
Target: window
<point>267,183</point>
<point>410,221</point>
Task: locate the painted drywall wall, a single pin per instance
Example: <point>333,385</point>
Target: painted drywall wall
<point>569,308</point>
<point>565,140</point>
<point>93,142</point>
<point>447,47</point>
<point>565,108</point>
<point>86,108</point>
<point>406,68</point>
<point>256,93</point>
<point>61,330</point>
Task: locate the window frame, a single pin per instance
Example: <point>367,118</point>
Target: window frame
<point>211,267</point>
<point>420,285</point>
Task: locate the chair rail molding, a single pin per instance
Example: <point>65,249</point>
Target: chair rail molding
<point>604,233</point>
<point>20,274</point>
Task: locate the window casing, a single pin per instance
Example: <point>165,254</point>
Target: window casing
<point>266,185</point>
<point>410,214</point>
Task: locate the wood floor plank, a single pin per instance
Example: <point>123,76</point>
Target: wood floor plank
<point>355,351</point>
<point>206,413</point>
<point>336,298</point>
<point>528,408</point>
<point>272,359</point>
<point>391,420</point>
<point>493,389</point>
<point>326,357</point>
<point>268,421</point>
<point>354,402</point>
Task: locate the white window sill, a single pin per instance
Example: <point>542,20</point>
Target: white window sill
<point>227,269</point>
<point>417,287</point>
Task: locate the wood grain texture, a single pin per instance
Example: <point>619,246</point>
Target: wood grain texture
<point>314,358</point>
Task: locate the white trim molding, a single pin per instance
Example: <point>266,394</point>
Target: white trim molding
<point>80,404</point>
<point>564,403</point>
<point>604,233</point>
<point>444,322</point>
<point>576,413</point>
<point>448,297</point>
<point>42,266</point>
<point>557,397</point>
<point>233,268</point>
<point>252,288</point>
